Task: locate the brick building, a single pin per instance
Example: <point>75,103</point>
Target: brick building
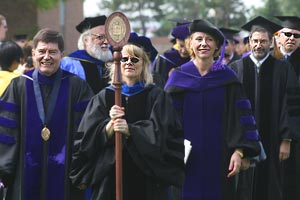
<point>23,17</point>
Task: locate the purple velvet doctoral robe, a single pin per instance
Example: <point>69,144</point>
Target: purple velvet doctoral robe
<point>31,168</point>
<point>217,119</point>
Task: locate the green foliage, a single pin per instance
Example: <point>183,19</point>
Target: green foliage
<point>46,4</point>
<point>228,13</point>
<point>222,13</point>
<point>138,11</point>
<point>290,8</point>
<point>273,8</point>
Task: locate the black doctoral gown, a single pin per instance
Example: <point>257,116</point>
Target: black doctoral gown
<point>292,165</point>
<point>267,93</point>
<point>152,155</point>
<point>31,168</point>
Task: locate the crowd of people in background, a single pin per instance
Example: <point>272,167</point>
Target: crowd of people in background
<point>235,100</point>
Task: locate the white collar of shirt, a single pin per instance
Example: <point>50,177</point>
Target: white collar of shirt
<point>284,53</point>
<point>261,61</point>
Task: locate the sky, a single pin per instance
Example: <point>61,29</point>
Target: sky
<point>91,9</point>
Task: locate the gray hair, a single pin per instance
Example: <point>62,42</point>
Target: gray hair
<point>80,43</point>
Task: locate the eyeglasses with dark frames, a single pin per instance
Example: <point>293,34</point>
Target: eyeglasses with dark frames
<point>132,59</point>
<point>98,36</point>
<point>289,34</point>
<point>261,42</point>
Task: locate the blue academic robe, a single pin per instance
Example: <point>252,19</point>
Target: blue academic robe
<point>86,67</point>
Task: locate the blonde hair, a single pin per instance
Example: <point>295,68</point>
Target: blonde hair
<point>139,52</point>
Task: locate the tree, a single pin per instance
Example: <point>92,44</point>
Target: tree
<point>290,8</point>
<point>229,13</point>
<point>273,8</point>
<point>141,13</point>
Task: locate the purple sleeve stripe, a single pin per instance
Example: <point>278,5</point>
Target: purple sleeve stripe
<point>247,120</point>
<point>8,123</point>
<point>252,135</point>
<point>243,104</point>
<point>7,139</point>
<point>11,107</point>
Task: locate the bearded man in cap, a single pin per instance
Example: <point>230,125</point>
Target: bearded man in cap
<point>89,61</point>
<point>289,41</point>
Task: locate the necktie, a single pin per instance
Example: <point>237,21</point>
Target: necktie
<point>258,64</point>
<point>286,56</point>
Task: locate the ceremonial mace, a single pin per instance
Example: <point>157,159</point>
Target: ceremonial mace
<point>117,31</point>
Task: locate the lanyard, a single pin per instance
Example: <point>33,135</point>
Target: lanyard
<point>53,96</point>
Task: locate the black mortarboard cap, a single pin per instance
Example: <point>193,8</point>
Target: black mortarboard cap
<point>145,43</point>
<point>180,21</point>
<point>291,22</point>
<point>90,22</point>
<point>181,31</point>
<point>263,22</point>
<point>20,37</point>
<point>199,25</point>
<point>229,34</point>
<point>246,40</point>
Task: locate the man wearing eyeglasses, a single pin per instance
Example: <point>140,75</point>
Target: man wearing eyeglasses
<point>89,61</point>
<point>289,41</point>
<point>265,80</point>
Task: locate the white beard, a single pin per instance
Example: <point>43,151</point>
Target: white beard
<point>98,53</point>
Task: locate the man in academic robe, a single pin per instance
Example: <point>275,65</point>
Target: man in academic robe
<point>39,114</point>
<point>265,80</point>
<point>90,60</point>
<point>289,43</point>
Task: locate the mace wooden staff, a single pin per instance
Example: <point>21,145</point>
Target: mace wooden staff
<point>117,30</point>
